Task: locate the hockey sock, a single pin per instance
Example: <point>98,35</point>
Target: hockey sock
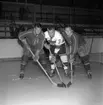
<point>86,62</point>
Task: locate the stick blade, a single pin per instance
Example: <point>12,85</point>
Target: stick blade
<point>69,84</point>
<point>61,85</point>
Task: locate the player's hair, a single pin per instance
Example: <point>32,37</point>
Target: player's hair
<point>67,26</point>
<point>37,25</point>
<point>51,28</point>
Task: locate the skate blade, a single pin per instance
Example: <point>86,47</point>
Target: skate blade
<point>69,84</point>
<point>61,85</point>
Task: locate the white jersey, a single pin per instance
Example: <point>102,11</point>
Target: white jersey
<point>58,39</point>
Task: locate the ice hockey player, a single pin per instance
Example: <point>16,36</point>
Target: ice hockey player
<point>78,45</point>
<point>56,44</point>
<point>33,39</point>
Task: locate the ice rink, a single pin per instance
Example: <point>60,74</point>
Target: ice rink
<point>36,89</point>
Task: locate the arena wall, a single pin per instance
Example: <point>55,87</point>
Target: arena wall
<point>9,49</point>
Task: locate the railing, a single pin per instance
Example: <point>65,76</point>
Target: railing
<point>74,18</point>
<point>69,18</point>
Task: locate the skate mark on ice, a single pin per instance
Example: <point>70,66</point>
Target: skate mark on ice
<point>16,78</point>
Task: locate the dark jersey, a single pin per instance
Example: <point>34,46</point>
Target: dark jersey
<point>33,40</point>
<point>76,40</point>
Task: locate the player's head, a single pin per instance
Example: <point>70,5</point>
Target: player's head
<point>37,28</point>
<point>51,31</point>
<point>68,30</point>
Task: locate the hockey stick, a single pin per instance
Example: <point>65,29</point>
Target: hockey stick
<point>62,84</point>
<point>66,40</point>
<point>43,69</point>
<point>55,84</point>
<point>71,67</point>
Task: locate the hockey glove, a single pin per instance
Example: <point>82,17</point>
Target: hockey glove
<point>52,58</point>
<point>56,50</point>
<point>36,57</point>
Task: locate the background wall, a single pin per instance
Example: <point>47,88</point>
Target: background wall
<point>97,45</point>
<point>9,48</point>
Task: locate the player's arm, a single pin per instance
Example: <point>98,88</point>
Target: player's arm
<point>22,37</point>
<point>41,41</point>
<point>39,47</point>
<point>46,41</point>
<point>73,45</point>
<point>24,34</point>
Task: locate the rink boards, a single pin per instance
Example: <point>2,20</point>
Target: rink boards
<point>9,48</point>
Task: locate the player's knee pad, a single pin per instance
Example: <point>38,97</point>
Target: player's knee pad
<point>64,58</point>
<point>53,66</point>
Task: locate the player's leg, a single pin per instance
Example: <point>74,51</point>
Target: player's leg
<point>65,63</point>
<point>64,58</point>
<point>52,59</point>
<point>24,61</point>
<point>71,58</point>
<point>85,60</point>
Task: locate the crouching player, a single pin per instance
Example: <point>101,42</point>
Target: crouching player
<point>78,46</point>
<point>33,39</point>
<point>55,43</point>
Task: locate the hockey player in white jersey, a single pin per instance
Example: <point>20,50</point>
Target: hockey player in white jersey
<point>55,43</point>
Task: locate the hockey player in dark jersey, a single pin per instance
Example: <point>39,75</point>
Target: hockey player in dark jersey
<point>78,45</point>
<point>33,39</point>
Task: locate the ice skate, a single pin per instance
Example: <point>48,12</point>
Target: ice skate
<point>89,74</point>
<point>52,73</point>
<point>21,75</point>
